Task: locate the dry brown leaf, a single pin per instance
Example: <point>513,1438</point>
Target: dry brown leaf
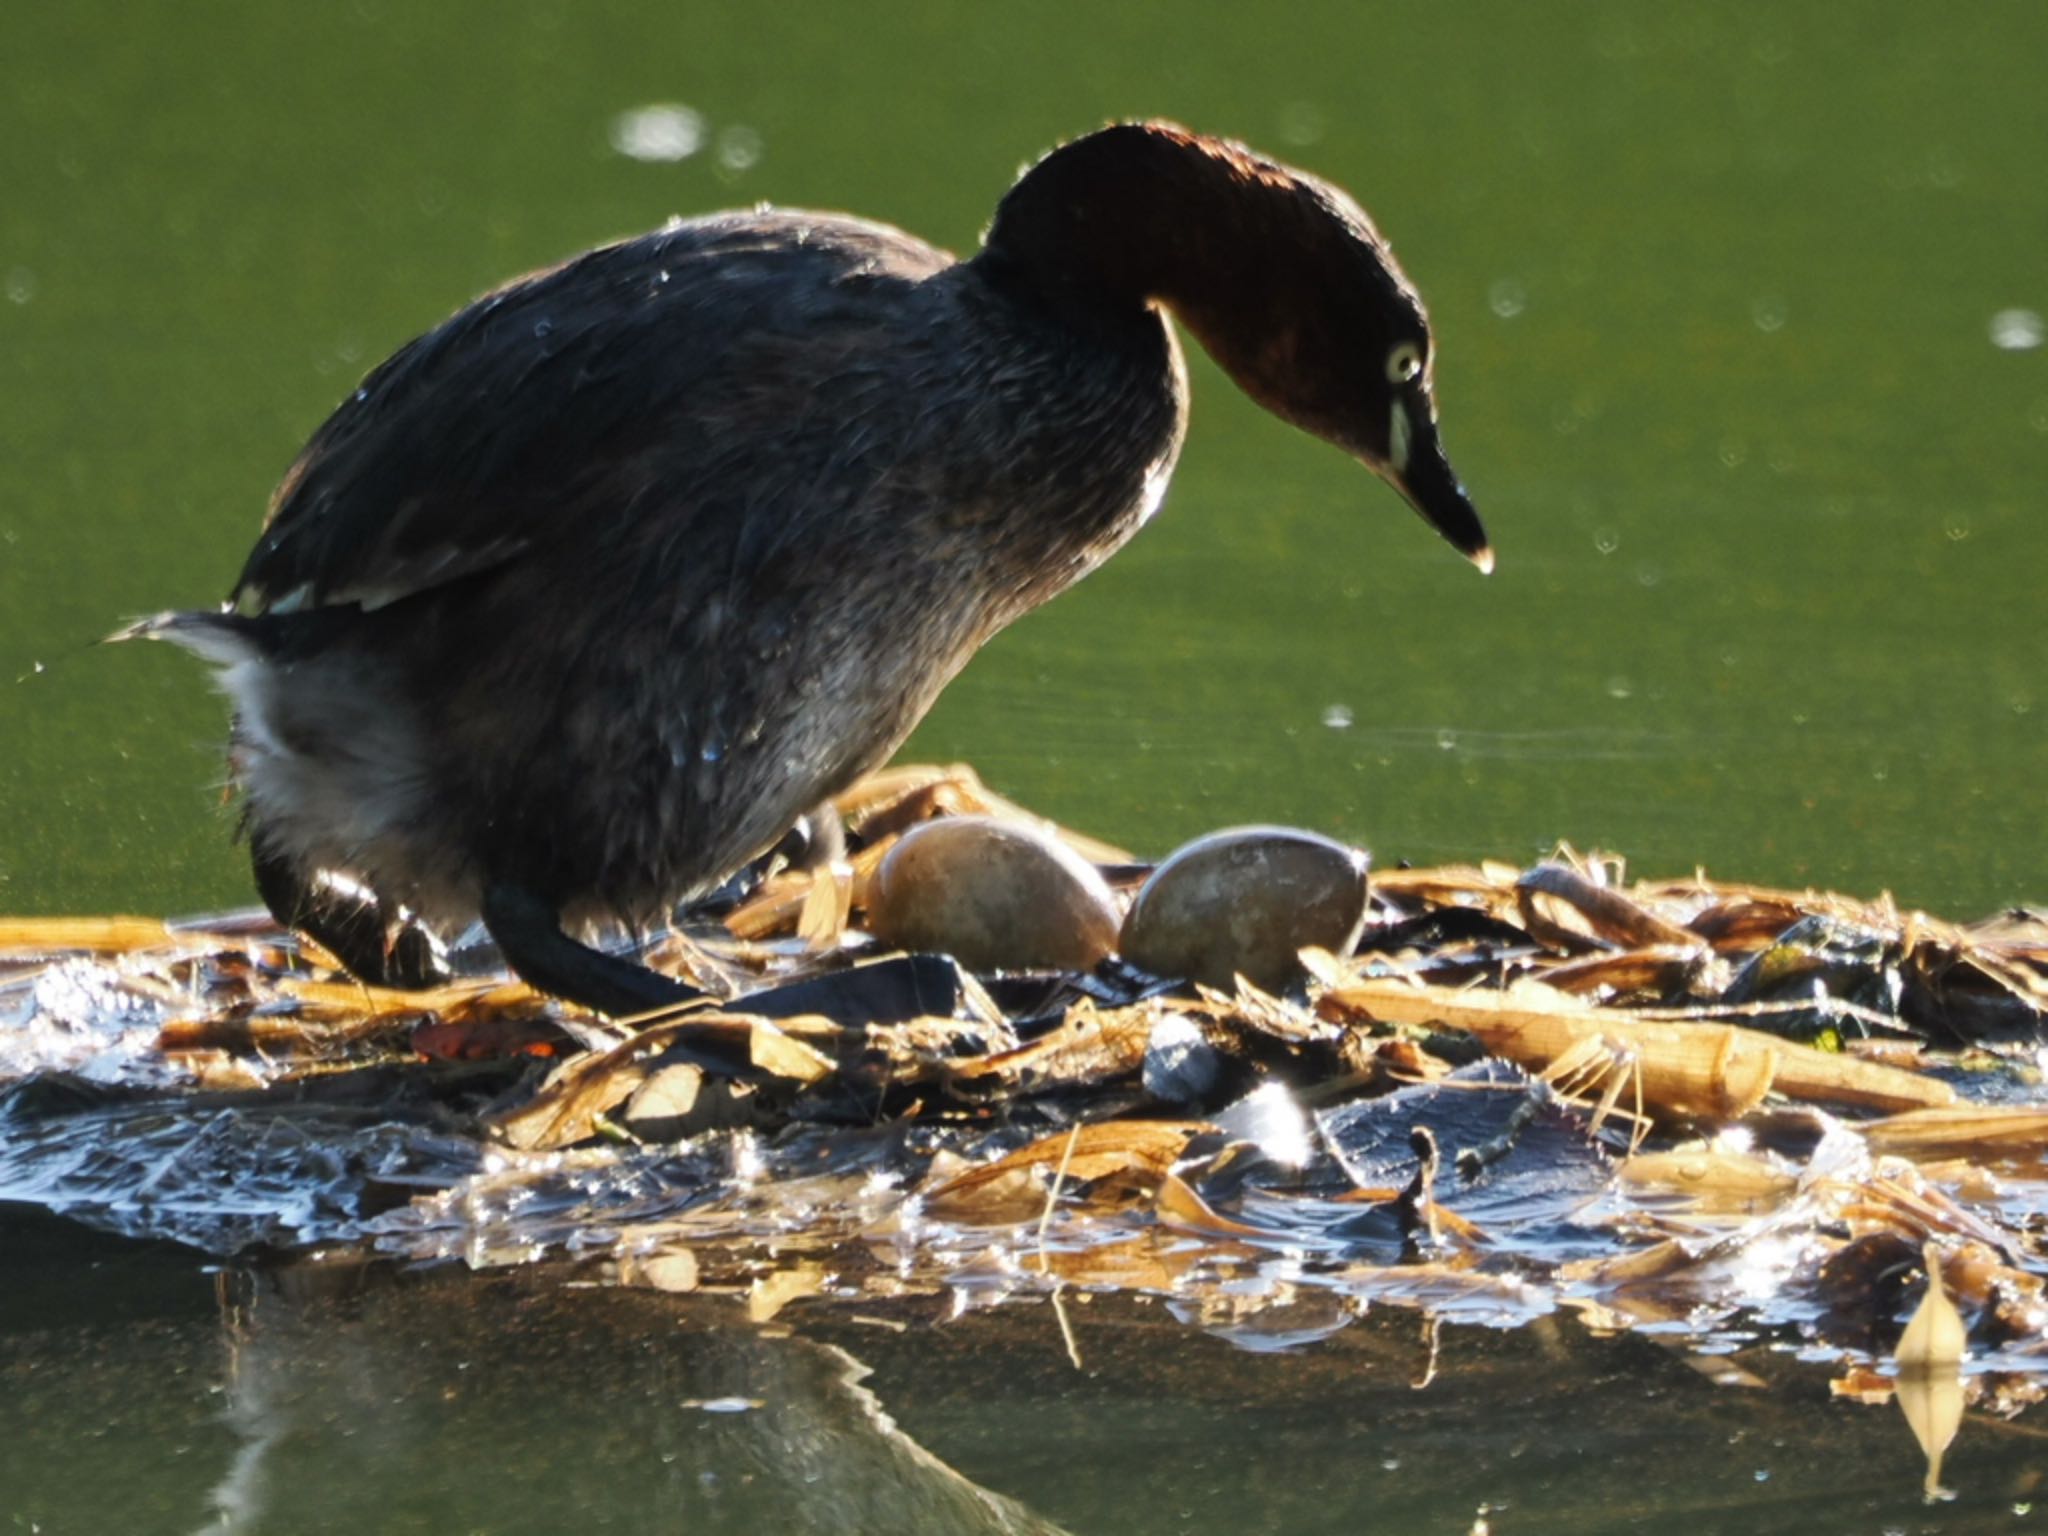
<point>1655,1262</point>
<point>775,909</point>
<point>1930,1361</point>
<point>1923,1132</point>
<point>37,936</point>
<point>1146,1148</point>
<point>567,1109</point>
<point>778,1046</point>
<point>1716,1070</point>
<point>1091,1046</point>
<point>1714,1180</point>
<point>278,1036</point>
<point>1743,925</point>
<point>821,924</point>
<point>897,798</point>
<point>351,998</point>
<point>1608,914</point>
<point>1660,969</point>
<point>1179,1207</point>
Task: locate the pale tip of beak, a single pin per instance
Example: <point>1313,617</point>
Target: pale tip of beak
<point>1483,558</point>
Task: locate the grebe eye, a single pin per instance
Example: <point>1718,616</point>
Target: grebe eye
<point>1404,362</point>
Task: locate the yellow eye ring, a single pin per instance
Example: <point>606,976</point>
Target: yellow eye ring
<point>1404,362</point>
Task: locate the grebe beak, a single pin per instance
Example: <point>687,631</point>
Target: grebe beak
<point>1418,468</point>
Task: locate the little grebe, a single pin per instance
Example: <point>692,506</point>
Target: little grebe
<point>588,594</point>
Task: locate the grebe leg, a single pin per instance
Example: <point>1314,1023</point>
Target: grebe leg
<point>356,929</point>
<point>529,935</point>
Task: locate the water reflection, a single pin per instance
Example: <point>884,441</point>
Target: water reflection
<point>356,1399</point>
<point>335,1397</point>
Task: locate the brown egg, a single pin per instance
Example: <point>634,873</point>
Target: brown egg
<point>1243,901</point>
<point>996,895</point>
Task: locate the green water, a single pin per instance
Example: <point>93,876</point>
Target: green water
<point>332,1401</point>
<point>1713,285</point>
<point>1715,289</point>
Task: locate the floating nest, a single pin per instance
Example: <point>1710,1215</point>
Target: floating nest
<point>1718,1112</point>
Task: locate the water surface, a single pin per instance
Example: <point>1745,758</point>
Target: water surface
<point>1740,356</point>
<point>1716,287</point>
<point>342,1399</point>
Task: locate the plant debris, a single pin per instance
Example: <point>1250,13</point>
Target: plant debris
<point>1706,1110</point>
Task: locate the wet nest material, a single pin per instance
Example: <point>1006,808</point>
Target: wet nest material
<point>1711,1112</point>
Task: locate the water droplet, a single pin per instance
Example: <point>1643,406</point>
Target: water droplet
<point>542,326</point>
<point>2017,330</point>
<point>1768,313</point>
<point>1338,717</point>
<point>1880,772</point>
<point>1762,1474</point>
<point>361,396</point>
<point>1507,297</point>
<point>1606,540</point>
<point>659,131</point>
<point>1734,452</point>
<point>2038,419</point>
<point>1648,575</point>
<point>739,149</point>
<point>2022,703</point>
<point>711,751</point>
<point>1957,527</point>
<point>1447,740</point>
<point>1619,688</point>
<point>1301,122</point>
<point>21,285</point>
<point>730,1404</point>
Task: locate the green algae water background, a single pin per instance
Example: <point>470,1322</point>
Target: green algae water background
<point>1739,311</point>
<point>1741,320</point>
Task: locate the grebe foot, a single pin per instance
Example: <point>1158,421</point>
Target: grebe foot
<point>528,932</point>
<point>356,929</point>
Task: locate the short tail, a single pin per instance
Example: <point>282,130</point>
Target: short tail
<point>221,638</point>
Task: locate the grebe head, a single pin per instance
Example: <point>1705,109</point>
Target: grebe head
<point>1282,277</point>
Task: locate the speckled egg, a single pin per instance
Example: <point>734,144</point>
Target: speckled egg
<point>1243,902</point>
<point>996,895</point>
